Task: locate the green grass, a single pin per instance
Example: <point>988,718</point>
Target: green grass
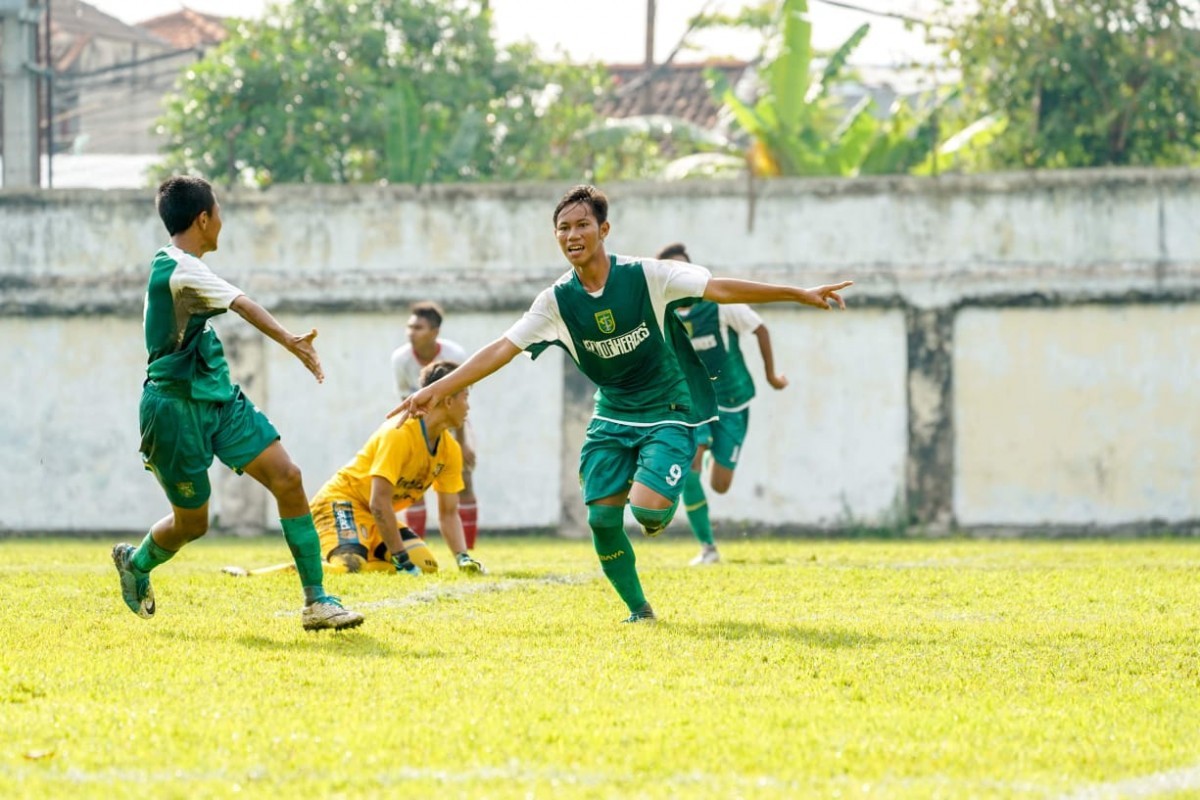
<point>797,668</point>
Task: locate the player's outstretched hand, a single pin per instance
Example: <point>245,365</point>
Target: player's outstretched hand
<point>826,297</point>
<point>415,405</point>
<point>302,348</point>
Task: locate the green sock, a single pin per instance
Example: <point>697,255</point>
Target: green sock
<point>616,553</point>
<point>696,505</point>
<point>150,554</point>
<point>302,539</point>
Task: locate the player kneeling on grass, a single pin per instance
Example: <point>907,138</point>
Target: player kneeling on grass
<point>191,410</point>
<point>355,511</point>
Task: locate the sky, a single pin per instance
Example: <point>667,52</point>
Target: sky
<point>617,34</point>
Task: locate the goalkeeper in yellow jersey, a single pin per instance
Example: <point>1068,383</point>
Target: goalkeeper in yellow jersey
<point>355,511</point>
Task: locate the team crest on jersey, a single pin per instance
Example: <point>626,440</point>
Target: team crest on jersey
<point>606,321</point>
<point>186,489</point>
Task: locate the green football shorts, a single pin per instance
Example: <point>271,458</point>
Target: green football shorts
<point>616,455</point>
<point>180,436</point>
<point>724,438</point>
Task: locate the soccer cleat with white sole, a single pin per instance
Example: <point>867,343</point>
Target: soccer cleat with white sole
<point>709,555</point>
<point>329,614</point>
<point>135,584</point>
<point>643,614</point>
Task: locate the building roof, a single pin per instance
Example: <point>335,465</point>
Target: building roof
<point>76,18</point>
<point>676,90</point>
<point>187,29</point>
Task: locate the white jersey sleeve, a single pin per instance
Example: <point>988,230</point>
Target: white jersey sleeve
<point>198,289</point>
<point>741,318</point>
<point>675,280</point>
<point>541,323</point>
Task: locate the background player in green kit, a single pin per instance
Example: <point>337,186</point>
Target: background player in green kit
<point>614,315</point>
<point>715,330</point>
<point>191,410</point>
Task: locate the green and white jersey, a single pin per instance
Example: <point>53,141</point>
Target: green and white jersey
<point>715,331</point>
<point>184,350</point>
<point>627,340</point>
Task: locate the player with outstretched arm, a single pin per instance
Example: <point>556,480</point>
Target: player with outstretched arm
<point>191,410</point>
<point>615,317</point>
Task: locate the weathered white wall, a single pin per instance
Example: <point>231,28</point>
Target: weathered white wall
<point>828,450</point>
<point>1019,351</point>
<point>1077,416</point>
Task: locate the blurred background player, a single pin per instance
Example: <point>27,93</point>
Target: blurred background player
<point>715,331</point>
<point>191,410</point>
<point>356,510</point>
<point>614,316</point>
<point>423,348</point>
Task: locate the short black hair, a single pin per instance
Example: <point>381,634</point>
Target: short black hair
<point>436,371</point>
<point>589,195</point>
<point>672,251</point>
<point>181,199</point>
<point>429,311</point>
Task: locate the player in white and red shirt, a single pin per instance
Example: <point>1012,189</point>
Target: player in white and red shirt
<point>423,348</point>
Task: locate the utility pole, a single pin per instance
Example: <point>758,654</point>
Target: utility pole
<point>18,41</point>
<point>647,91</point>
<point>650,13</point>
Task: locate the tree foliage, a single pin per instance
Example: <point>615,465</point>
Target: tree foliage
<point>1092,83</point>
<point>408,91</point>
<point>797,125</point>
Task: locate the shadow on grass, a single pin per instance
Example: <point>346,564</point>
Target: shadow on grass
<point>350,644</point>
<point>828,638</point>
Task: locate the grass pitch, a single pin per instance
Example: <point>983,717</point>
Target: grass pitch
<point>796,668</point>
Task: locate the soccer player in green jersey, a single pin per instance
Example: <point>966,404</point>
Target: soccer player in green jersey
<point>715,331</point>
<point>615,317</point>
<point>191,410</point>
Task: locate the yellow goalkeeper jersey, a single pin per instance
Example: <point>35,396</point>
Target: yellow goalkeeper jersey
<point>401,457</point>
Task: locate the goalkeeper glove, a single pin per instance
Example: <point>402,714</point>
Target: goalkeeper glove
<point>405,566</point>
<point>468,564</point>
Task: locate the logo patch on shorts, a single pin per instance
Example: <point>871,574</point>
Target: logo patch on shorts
<point>186,489</point>
<point>343,520</point>
<point>606,321</point>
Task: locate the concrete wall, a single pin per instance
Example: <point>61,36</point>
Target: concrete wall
<point>1020,352</point>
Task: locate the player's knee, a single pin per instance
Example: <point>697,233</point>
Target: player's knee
<point>603,518</point>
<point>654,519</point>
<point>288,481</point>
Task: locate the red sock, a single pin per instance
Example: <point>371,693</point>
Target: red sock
<point>469,514</point>
<point>415,517</point>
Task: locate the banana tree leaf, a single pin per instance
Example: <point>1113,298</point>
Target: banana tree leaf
<point>787,75</point>
<point>837,63</point>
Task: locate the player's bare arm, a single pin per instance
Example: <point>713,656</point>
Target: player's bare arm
<point>735,290</point>
<point>450,523</point>
<point>768,356</point>
<point>299,346</point>
<point>384,515</point>
<point>484,362</point>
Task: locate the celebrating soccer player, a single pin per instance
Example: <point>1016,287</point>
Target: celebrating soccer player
<point>191,410</point>
<point>615,317</point>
